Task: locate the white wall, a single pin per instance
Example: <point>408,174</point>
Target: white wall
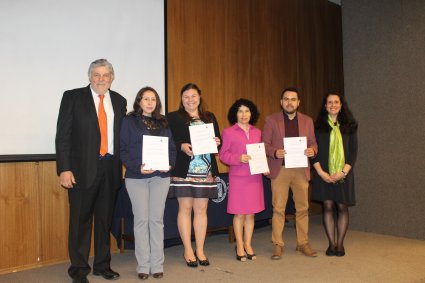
<point>46,47</point>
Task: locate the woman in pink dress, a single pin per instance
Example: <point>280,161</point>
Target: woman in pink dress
<point>246,195</point>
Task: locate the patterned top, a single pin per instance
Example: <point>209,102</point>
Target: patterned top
<point>200,165</point>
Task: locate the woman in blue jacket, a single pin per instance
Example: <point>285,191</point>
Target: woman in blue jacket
<point>147,189</point>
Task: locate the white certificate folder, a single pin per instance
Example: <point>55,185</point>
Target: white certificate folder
<point>202,139</point>
<point>155,153</point>
<point>295,157</point>
<point>258,162</point>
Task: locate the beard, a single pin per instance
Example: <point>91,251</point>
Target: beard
<point>291,111</point>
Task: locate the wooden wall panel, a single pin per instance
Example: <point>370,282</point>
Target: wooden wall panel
<point>311,79</point>
<point>334,64</point>
<point>54,215</point>
<point>34,215</point>
<point>19,215</point>
<point>253,49</point>
<point>283,52</point>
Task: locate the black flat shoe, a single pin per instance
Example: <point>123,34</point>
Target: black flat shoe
<point>240,257</point>
<point>204,262</point>
<point>190,263</point>
<point>331,251</point>
<point>250,256</point>
<point>340,252</point>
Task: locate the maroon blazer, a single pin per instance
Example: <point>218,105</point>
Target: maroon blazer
<point>273,134</point>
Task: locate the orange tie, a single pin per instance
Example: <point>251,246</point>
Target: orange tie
<point>103,126</point>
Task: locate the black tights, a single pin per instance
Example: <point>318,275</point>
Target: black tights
<point>329,222</point>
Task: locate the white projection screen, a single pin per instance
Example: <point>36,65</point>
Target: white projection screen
<point>46,47</point>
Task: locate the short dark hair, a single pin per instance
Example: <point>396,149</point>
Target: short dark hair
<point>293,89</point>
<point>232,114</point>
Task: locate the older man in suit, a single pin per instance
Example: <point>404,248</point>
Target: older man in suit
<point>289,123</point>
<point>88,165</point>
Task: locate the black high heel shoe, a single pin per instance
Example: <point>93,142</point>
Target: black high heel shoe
<point>251,256</point>
<point>340,251</point>
<point>190,263</point>
<point>204,262</point>
<point>331,251</point>
<point>240,257</point>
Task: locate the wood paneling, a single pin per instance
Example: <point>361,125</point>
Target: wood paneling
<point>19,215</point>
<point>54,215</point>
<point>253,49</point>
<point>334,66</point>
<point>33,215</point>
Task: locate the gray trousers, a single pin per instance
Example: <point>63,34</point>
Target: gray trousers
<point>148,198</point>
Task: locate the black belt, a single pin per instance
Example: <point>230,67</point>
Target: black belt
<point>106,156</point>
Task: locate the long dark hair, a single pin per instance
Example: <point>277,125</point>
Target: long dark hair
<point>203,114</point>
<point>345,118</point>
<point>156,114</point>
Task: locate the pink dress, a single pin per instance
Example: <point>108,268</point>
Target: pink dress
<point>246,193</point>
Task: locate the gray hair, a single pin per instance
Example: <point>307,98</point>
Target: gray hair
<point>101,63</point>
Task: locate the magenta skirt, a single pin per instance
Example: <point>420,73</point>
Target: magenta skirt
<point>246,194</point>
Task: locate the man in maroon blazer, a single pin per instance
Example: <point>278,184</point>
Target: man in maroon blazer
<point>289,123</point>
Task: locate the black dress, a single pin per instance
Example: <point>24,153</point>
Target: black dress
<point>340,192</point>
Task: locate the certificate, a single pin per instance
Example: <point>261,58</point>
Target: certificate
<point>295,157</point>
<point>155,153</point>
<point>258,162</point>
<point>202,139</point>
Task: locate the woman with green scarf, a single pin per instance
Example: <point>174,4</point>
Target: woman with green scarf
<point>333,179</point>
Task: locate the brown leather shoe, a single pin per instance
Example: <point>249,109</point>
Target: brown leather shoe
<point>158,275</point>
<point>143,276</point>
<point>277,252</point>
<point>307,250</point>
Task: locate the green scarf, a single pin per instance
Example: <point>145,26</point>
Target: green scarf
<point>336,149</point>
